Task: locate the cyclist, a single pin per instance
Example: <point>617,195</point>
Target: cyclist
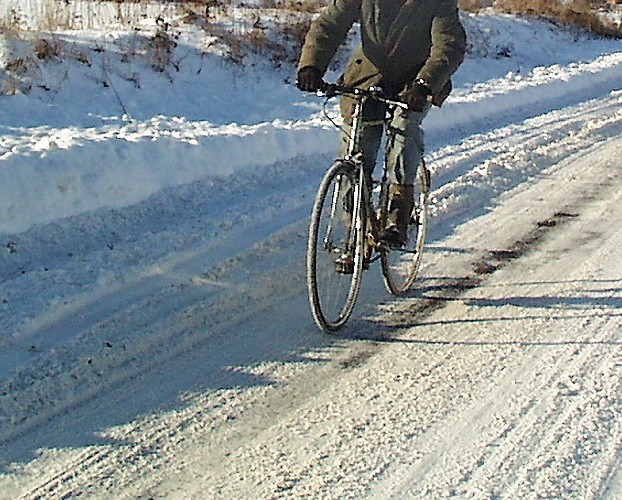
<point>410,48</point>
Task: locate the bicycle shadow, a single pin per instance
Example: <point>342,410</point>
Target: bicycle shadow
<point>435,293</point>
<point>87,372</point>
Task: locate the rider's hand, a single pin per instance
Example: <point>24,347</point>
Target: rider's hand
<point>309,79</point>
<point>416,95</point>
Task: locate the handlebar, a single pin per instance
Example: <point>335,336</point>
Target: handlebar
<point>332,90</point>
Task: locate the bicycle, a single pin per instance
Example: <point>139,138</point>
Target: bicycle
<point>349,212</point>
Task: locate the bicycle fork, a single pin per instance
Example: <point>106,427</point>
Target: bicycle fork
<point>348,194</point>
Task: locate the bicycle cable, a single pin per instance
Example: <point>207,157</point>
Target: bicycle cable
<point>330,119</point>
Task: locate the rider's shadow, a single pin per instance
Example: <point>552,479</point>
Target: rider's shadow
<point>418,309</point>
<point>598,305</point>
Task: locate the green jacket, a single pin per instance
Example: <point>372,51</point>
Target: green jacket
<point>402,40</point>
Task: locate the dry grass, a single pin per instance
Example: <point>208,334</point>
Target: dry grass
<point>12,22</point>
<point>239,45</point>
<point>27,54</point>
<point>17,67</point>
<point>279,42</point>
<point>46,50</point>
<point>161,47</point>
<point>578,13</point>
<point>305,6</point>
<point>292,36</point>
<point>53,15</point>
<point>474,5</point>
<point>240,36</point>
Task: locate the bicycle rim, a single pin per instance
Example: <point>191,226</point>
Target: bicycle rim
<point>332,292</point>
<point>400,266</point>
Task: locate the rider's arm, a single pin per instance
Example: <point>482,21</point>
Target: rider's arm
<point>448,47</point>
<point>328,31</point>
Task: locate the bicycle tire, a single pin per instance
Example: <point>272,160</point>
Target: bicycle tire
<point>401,266</point>
<point>332,294</point>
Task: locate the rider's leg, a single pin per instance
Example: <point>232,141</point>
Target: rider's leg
<point>372,127</point>
<point>405,148</point>
<point>401,202</point>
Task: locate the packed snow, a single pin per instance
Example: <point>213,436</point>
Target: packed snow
<point>156,336</point>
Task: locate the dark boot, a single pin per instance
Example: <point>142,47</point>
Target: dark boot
<point>401,203</point>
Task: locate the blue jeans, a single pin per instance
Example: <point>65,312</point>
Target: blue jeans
<point>405,144</point>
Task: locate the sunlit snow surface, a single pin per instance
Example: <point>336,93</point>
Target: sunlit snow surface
<point>156,338</point>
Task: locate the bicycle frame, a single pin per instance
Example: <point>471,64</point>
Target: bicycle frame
<point>354,154</point>
<point>345,231</point>
<point>360,96</point>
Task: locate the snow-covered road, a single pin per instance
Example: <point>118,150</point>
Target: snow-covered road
<point>499,377</point>
<point>164,348</point>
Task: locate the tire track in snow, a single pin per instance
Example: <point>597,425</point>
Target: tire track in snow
<point>452,161</point>
<point>495,446</point>
<point>293,476</point>
<point>488,167</point>
<point>523,429</point>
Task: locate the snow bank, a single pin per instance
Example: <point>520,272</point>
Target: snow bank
<point>67,171</point>
<point>72,147</point>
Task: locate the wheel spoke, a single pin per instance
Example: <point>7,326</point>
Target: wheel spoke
<point>400,266</point>
<point>333,278</point>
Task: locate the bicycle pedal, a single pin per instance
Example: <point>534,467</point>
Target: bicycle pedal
<point>392,239</point>
<point>427,180</point>
<point>344,265</point>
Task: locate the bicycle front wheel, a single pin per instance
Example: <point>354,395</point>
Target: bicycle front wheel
<point>336,247</point>
<point>401,265</point>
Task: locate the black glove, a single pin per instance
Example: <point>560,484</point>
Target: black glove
<point>416,95</point>
<point>309,79</point>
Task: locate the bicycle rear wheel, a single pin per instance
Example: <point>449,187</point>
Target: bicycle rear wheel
<point>401,265</point>
<point>335,251</point>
